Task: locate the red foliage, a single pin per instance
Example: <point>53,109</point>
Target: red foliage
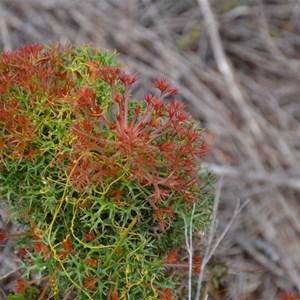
<point>20,285</point>
<point>67,245</point>
<point>29,71</point>
<point>91,262</point>
<point>171,257</point>
<point>157,145</point>
<point>165,87</point>
<point>40,247</point>
<point>116,194</point>
<point>197,261</point>
<point>22,252</point>
<point>2,235</point>
<point>114,295</point>
<point>109,74</point>
<point>119,252</point>
<point>90,284</point>
<point>290,296</point>
<point>128,80</point>
<point>90,236</point>
<point>165,294</point>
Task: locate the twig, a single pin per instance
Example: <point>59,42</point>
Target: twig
<point>210,250</point>
<point>224,66</point>
<point>210,239</point>
<point>9,273</point>
<point>286,179</point>
<point>188,233</point>
<point>226,229</point>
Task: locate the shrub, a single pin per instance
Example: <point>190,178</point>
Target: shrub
<point>98,181</point>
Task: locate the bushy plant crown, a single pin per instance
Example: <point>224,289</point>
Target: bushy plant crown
<point>99,180</point>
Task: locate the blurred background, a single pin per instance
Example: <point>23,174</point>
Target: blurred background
<point>237,65</point>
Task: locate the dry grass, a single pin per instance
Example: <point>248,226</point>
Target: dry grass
<point>250,107</point>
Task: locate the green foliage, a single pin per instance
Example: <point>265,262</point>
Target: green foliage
<point>98,180</point>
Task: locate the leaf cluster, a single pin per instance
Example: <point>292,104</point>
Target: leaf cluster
<point>98,180</point>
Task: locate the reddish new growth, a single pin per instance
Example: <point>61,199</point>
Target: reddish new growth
<point>155,144</point>
<point>41,247</point>
<point>91,262</point>
<point>90,284</point>
<point>67,246</point>
<point>114,296</point>
<point>165,294</point>
<point>171,257</point>
<point>290,296</point>
<point>2,235</point>
<point>34,71</point>
<point>90,236</point>
<point>197,262</point>
<point>20,285</point>
<point>22,252</point>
